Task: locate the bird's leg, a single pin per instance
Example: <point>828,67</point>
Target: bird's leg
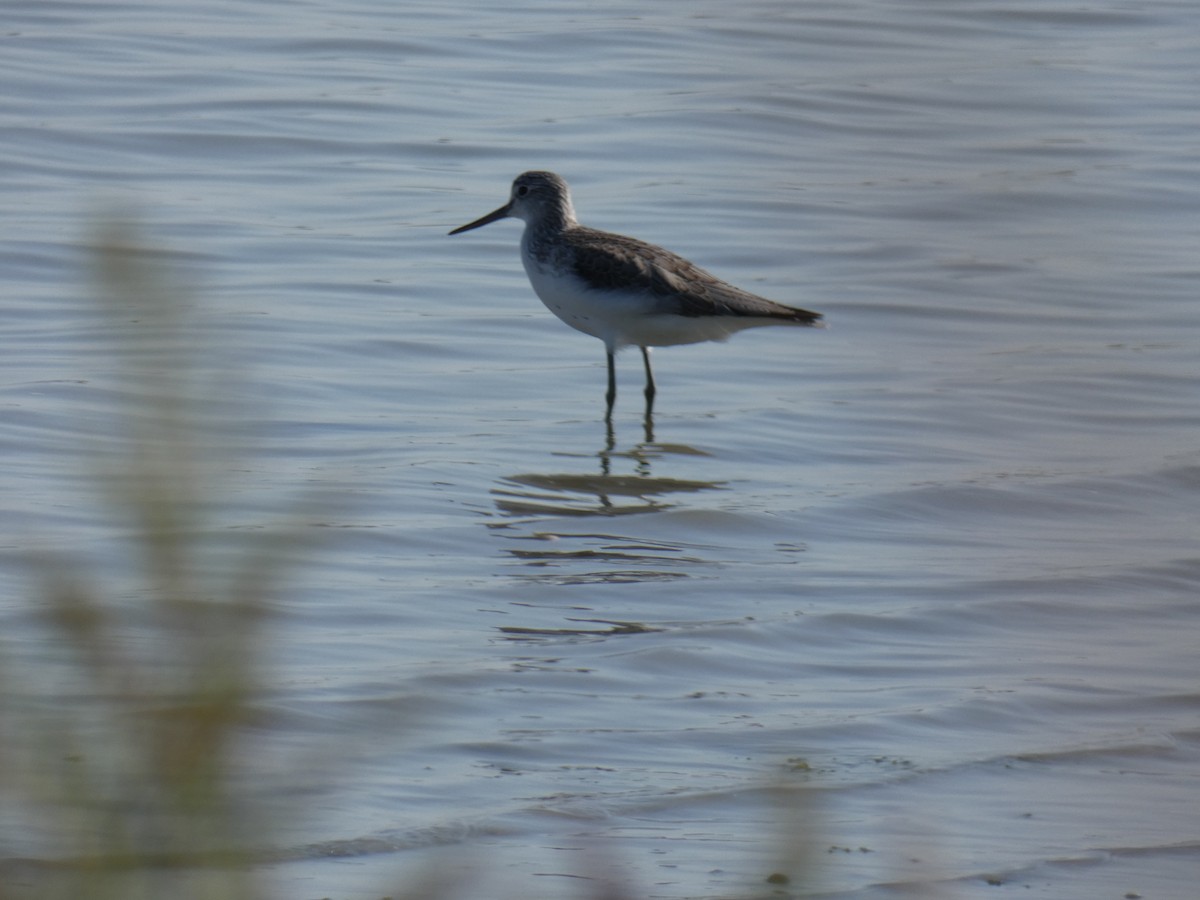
<point>650,389</point>
<point>611,396</point>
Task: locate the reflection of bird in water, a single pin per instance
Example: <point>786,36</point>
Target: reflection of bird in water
<point>559,494</point>
<point>621,290</point>
<point>603,492</point>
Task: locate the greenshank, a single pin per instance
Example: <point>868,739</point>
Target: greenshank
<point>626,292</point>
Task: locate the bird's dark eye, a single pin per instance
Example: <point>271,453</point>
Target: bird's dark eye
<point>522,191</point>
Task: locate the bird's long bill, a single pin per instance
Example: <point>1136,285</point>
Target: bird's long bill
<point>486,220</point>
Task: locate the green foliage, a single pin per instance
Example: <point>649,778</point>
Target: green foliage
<point>126,757</point>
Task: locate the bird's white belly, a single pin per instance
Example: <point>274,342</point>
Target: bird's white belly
<point>598,313</point>
<point>620,318</point>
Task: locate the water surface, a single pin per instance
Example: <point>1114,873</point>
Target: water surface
<point>928,576</point>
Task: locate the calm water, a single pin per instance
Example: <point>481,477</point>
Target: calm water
<point>925,581</point>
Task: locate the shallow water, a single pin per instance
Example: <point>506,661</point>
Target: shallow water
<point>925,580</point>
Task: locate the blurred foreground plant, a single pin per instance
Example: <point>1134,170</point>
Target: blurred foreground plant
<point>123,762</point>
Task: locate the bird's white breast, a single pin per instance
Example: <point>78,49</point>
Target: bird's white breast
<point>617,317</point>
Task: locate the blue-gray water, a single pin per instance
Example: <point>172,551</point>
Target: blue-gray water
<point>930,575</point>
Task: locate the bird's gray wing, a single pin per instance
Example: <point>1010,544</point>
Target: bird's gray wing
<point>616,262</point>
